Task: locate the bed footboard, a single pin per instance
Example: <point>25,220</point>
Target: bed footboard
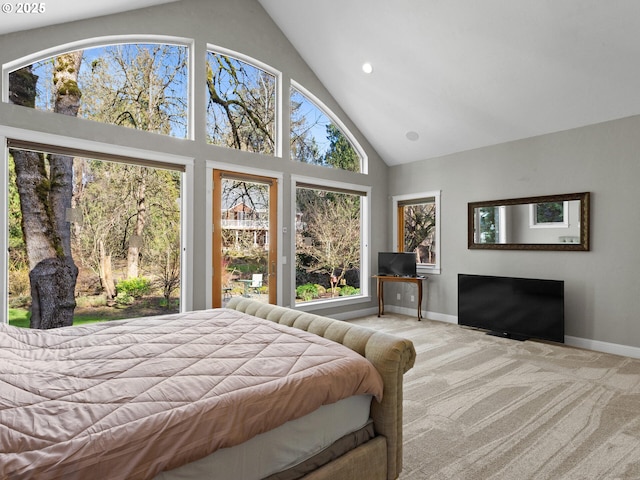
<point>391,356</point>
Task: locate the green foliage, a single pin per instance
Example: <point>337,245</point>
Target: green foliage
<point>309,145</point>
<point>487,225</point>
<point>15,216</point>
<point>19,317</point>
<point>165,303</point>
<point>307,292</point>
<point>341,154</point>
<point>133,287</point>
<point>348,290</point>
<point>124,299</point>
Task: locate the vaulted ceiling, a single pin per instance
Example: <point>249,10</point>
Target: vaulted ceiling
<point>462,74</point>
<point>452,75</point>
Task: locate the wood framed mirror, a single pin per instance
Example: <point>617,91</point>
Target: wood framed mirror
<point>550,222</point>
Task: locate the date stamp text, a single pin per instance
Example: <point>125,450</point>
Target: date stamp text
<point>27,8</point>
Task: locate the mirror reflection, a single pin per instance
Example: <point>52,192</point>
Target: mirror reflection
<point>553,222</point>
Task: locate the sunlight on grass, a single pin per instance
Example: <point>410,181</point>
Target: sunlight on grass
<point>20,318</point>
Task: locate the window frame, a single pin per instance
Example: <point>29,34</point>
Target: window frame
<point>151,157</point>
<point>279,131</point>
<point>396,203</point>
<point>364,159</point>
<point>106,41</point>
<point>365,235</point>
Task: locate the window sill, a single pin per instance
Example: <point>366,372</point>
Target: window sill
<point>427,271</point>
<point>331,302</point>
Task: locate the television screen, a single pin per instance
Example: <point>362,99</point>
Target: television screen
<point>401,264</point>
<point>517,308</point>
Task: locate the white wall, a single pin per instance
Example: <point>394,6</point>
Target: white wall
<point>522,232</point>
<point>602,287</point>
<point>238,25</point>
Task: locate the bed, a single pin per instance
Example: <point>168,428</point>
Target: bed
<point>160,397</point>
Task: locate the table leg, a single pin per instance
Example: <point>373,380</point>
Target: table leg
<point>380,297</point>
<point>419,300</point>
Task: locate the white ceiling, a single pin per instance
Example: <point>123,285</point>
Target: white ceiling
<point>466,73</point>
<point>460,73</point>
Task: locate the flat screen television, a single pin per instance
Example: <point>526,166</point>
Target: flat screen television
<point>398,264</point>
<point>518,308</point>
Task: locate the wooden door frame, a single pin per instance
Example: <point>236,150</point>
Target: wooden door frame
<point>272,255</point>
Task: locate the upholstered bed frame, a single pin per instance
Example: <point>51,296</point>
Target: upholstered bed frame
<point>381,457</point>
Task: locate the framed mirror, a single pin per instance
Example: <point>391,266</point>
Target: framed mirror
<point>550,222</point>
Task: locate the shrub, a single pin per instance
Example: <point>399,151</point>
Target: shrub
<point>19,302</point>
<point>91,301</point>
<point>133,287</point>
<point>307,292</point>
<point>348,290</point>
<point>124,299</point>
<point>19,283</point>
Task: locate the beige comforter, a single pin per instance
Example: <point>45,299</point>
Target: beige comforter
<point>128,399</point>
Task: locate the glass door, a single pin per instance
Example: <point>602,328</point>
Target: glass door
<point>244,237</point>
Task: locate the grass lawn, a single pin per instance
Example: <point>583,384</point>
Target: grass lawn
<point>19,317</point>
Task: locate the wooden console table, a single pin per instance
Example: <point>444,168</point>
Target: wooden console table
<point>387,278</point>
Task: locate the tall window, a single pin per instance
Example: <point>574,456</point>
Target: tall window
<point>417,228</point>
<point>241,108</point>
<point>102,241</point>
<point>318,140</point>
<point>330,228</point>
<point>141,86</point>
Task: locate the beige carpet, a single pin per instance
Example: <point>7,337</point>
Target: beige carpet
<point>479,407</point>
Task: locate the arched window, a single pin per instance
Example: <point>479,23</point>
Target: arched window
<point>318,139</point>
<point>136,85</point>
<point>241,104</point>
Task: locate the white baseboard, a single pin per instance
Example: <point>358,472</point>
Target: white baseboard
<point>587,344</point>
<point>605,347</point>
<point>441,317</point>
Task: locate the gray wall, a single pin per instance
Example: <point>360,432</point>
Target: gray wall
<point>602,286</point>
<point>238,25</point>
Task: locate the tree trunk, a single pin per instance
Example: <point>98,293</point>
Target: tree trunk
<point>67,102</point>
<point>44,200</point>
<point>53,283</point>
<point>135,242</point>
<point>60,193</point>
<point>32,184</point>
<point>106,275</point>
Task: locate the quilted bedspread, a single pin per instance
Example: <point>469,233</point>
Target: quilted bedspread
<point>128,399</point>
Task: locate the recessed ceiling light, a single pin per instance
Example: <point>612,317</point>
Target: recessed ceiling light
<point>367,67</point>
<point>413,136</point>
